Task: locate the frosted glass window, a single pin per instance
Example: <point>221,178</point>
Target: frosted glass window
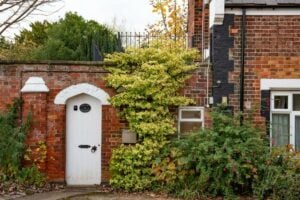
<point>280,129</point>
<point>190,127</point>
<point>190,114</point>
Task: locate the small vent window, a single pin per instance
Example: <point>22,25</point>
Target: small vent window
<point>191,119</point>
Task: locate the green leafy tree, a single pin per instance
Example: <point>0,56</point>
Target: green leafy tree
<point>37,35</point>
<point>73,38</point>
<point>147,81</point>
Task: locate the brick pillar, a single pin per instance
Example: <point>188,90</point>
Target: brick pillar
<point>34,96</point>
<point>195,16</point>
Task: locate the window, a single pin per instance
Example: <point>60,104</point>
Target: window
<point>190,119</point>
<point>285,119</point>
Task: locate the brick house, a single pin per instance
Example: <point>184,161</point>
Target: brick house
<point>250,61</point>
<point>254,49</point>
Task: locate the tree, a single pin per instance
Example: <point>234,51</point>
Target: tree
<point>173,18</point>
<point>37,35</point>
<point>73,38</point>
<point>14,11</point>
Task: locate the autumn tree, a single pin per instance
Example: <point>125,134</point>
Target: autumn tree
<point>14,11</point>
<point>173,18</point>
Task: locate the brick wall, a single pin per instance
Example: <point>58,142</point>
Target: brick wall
<point>195,11</point>
<point>49,119</point>
<point>272,51</point>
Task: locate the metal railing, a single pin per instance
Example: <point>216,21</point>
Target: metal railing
<point>142,40</point>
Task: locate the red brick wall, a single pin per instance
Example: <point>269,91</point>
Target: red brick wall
<point>49,119</point>
<point>195,8</point>
<point>196,88</point>
<point>35,105</point>
<point>272,51</point>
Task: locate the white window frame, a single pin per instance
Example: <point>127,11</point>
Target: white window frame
<point>190,108</point>
<point>290,101</point>
<point>288,111</point>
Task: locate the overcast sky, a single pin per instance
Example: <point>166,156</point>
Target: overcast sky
<point>129,15</point>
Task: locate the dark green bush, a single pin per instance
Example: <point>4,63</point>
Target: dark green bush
<point>12,137</point>
<point>222,160</point>
<point>280,176</point>
<point>227,160</point>
<point>12,147</point>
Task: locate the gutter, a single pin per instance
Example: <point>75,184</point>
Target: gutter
<point>242,74</point>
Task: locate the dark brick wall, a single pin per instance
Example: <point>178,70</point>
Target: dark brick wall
<point>222,42</point>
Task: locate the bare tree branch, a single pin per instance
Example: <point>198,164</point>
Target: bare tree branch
<point>15,11</point>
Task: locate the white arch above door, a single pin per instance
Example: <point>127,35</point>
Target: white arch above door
<point>83,88</point>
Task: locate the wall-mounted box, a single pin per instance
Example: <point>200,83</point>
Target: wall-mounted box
<point>128,137</point>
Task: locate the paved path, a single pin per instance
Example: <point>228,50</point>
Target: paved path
<point>54,195</point>
<point>86,194</point>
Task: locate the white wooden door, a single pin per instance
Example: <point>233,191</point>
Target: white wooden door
<point>83,139</point>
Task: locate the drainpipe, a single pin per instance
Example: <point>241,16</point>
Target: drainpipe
<point>243,41</point>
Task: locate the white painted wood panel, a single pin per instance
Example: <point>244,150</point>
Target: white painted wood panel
<point>83,167</point>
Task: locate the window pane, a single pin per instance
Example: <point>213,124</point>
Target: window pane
<point>187,127</point>
<point>190,114</point>
<point>281,102</point>
<point>296,102</point>
<point>297,133</point>
<point>280,129</point>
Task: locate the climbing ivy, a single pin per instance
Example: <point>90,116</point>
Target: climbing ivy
<point>147,81</point>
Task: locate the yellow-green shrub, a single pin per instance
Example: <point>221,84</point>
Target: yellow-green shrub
<point>147,81</point>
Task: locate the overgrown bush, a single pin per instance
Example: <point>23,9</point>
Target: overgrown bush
<point>222,160</point>
<point>280,176</point>
<point>227,160</point>
<point>12,140</point>
<point>12,148</point>
<point>147,81</point>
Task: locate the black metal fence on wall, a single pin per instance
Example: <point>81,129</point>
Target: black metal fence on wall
<point>125,40</point>
<point>140,40</point>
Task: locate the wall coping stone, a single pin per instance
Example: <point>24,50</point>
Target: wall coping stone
<point>35,84</point>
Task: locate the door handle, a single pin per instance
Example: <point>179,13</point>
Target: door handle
<point>84,146</point>
<point>93,149</point>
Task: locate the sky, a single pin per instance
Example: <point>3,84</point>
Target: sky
<point>127,15</point>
